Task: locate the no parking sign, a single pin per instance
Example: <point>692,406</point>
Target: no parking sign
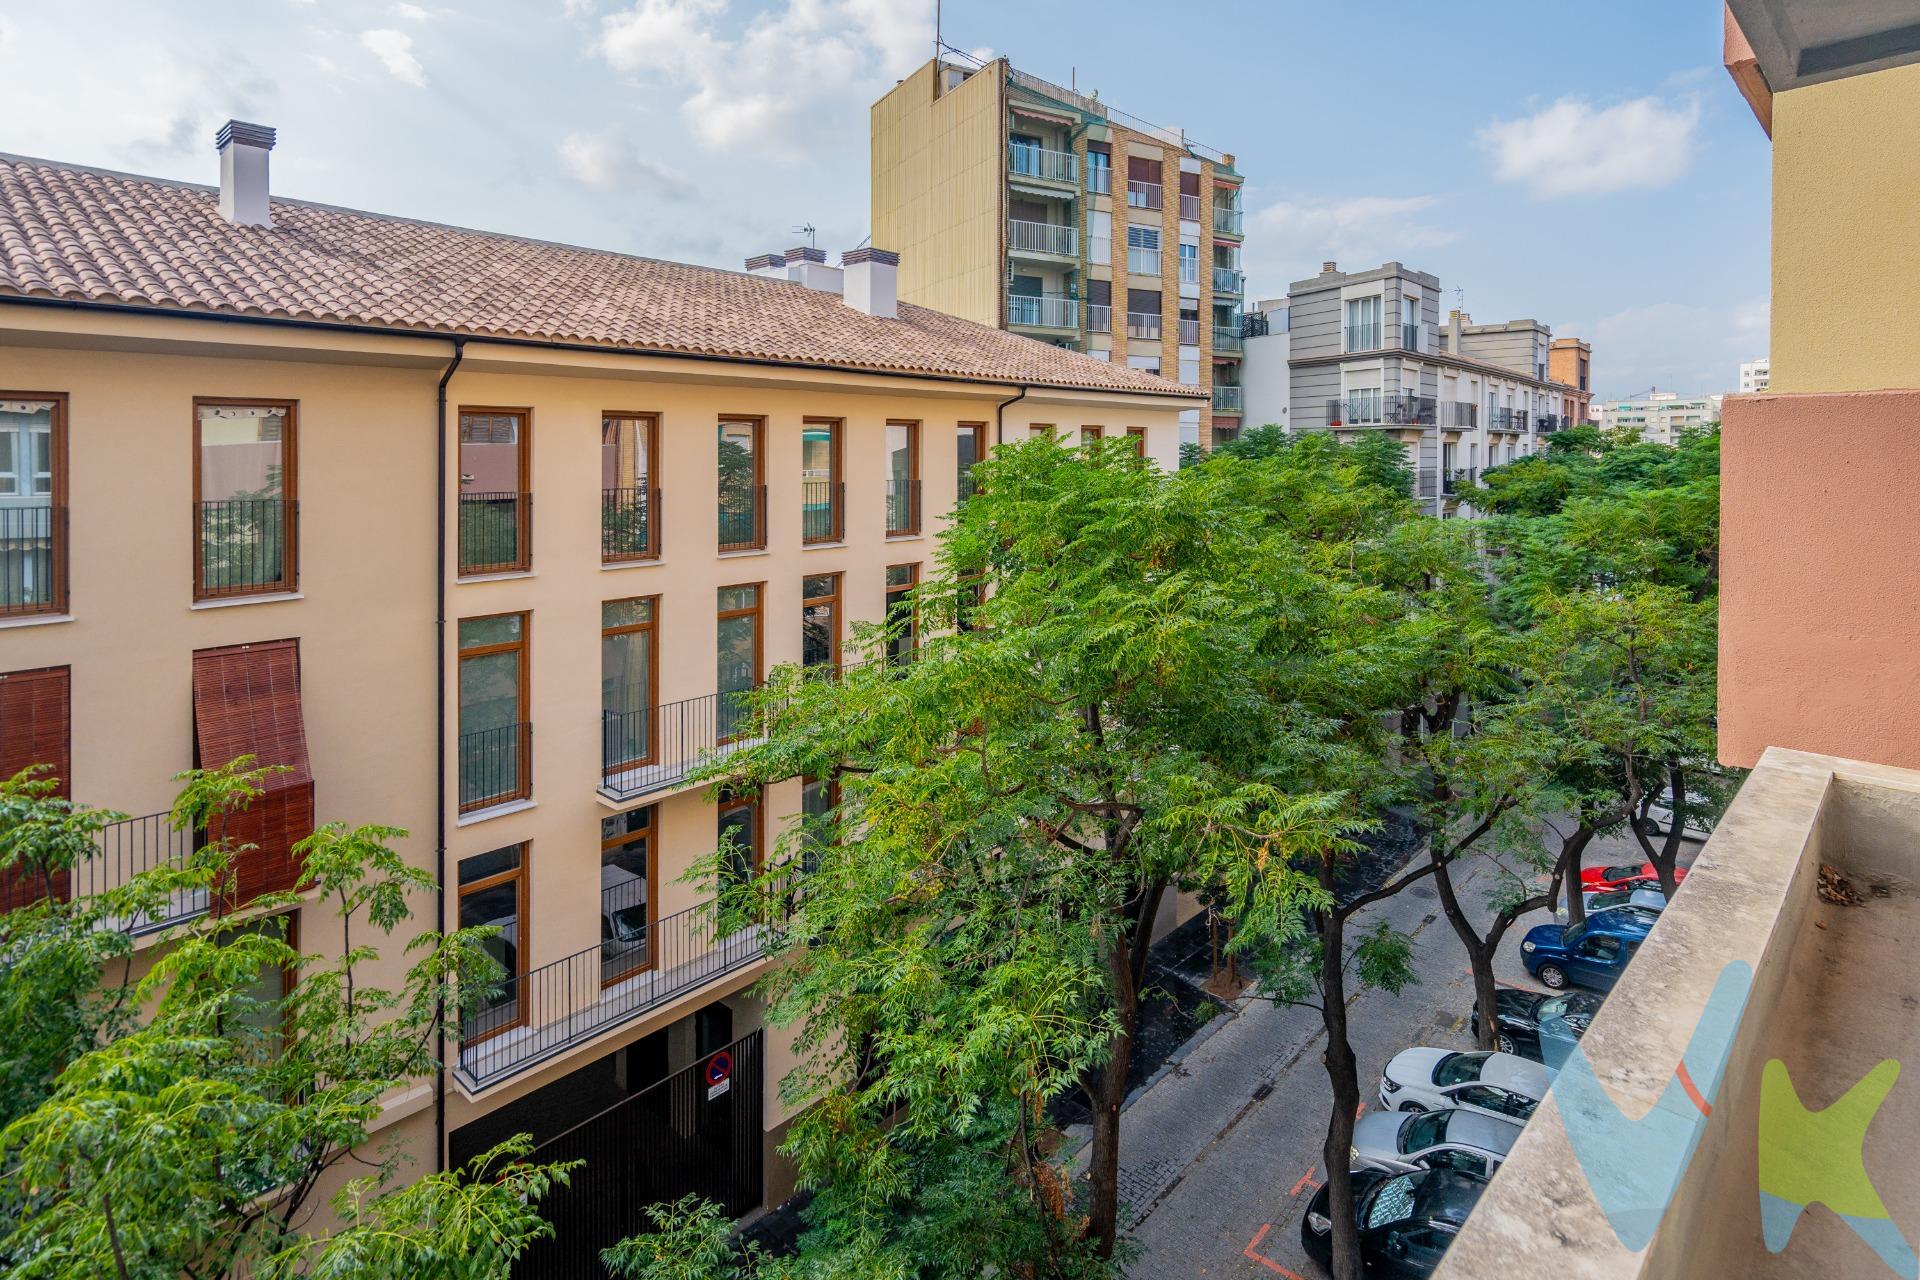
<point>719,1074</point>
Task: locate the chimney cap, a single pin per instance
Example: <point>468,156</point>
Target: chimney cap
<point>1329,267</point>
<point>244,134</point>
<point>806,253</point>
<point>762,261</point>
<point>867,253</point>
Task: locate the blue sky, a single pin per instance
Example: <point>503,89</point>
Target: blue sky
<point>1587,165</point>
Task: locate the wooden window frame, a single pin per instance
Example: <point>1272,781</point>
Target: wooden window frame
<point>523,492</point>
<point>978,430</point>
<point>289,579</point>
<point>1090,434</point>
<point>1044,429</point>
<point>836,483</point>
<point>652,628</point>
<point>522,926</point>
<point>758,612</point>
<point>912,426</point>
<point>652,832</point>
<point>56,499</point>
<point>17,888</point>
<point>759,493</point>
<point>523,744</point>
<point>834,599</point>
<point>1138,435</point>
<point>913,609</point>
<point>650,428</point>
<point>736,798</point>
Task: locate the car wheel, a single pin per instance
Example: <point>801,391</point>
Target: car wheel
<point>1505,1043</point>
<point>1413,1107</point>
<point>1552,976</point>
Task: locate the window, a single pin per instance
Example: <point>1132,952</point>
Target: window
<point>969,447</point>
<point>243,493</point>
<point>820,620</point>
<point>493,893</point>
<point>496,511</point>
<point>1363,404</point>
<point>33,497</point>
<point>35,728</point>
<point>496,742</point>
<point>743,489</point>
<point>262,1014</point>
<point>629,667</point>
<point>902,626</point>
<point>1189,263</point>
<point>626,894</point>
<point>629,487</point>
<point>1143,250</point>
<point>1099,168</point>
<point>1143,183</point>
<point>1409,322</point>
<point>1099,237</point>
<point>739,835</point>
<point>1143,313</point>
<point>1090,434</point>
<point>1138,437</point>
<point>903,478</point>
<point>737,641</point>
<point>1363,324</point>
<point>820,484</point>
<point>819,803</point>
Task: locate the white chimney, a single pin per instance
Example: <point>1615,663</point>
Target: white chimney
<point>771,265</point>
<point>809,267</point>
<point>873,281</point>
<point>243,172</point>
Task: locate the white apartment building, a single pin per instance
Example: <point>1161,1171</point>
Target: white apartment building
<point>1266,377</point>
<point>1754,375</point>
<point>1659,415</point>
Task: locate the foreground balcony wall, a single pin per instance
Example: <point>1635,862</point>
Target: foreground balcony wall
<point>1820,594</point>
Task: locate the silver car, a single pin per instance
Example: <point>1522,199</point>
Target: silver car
<point>1395,1142</point>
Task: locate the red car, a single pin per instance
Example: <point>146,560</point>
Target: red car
<point>1624,877</point>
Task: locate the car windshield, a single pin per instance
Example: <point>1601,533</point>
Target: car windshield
<point>1575,1009</point>
<point>1622,873</point>
<point>1646,915</point>
<point>1458,1068</point>
<point>1423,1131</point>
<point>1392,1201</point>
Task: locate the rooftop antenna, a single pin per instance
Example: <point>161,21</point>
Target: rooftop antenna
<point>807,229</point>
<point>1459,298</point>
<point>938,44</point>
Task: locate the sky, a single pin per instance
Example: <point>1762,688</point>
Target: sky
<point>1589,166</point>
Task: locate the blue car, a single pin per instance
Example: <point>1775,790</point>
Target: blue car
<point>1593,954</point>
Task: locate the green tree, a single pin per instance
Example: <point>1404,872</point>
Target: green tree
<point>187,1122</point>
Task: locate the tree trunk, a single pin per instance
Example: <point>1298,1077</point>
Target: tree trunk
<point>1479,955</point>
<point>1126,968</point>
<point>1571,851</point>
<point>1344,1083</point>
<point>1669,853</point>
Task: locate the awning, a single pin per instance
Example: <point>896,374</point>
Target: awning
<point>246,701</point>
<point>35,728</point>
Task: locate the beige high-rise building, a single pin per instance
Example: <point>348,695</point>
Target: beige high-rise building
<point>483,537</point>
<point>1029,206</point>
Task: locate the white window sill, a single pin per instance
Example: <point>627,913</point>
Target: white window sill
<point>496,811</point>
<point>35,620</point>
<point>745,554</point>
<point>905,537</point>
<point>494,577</point>
<point>234,602</point>
<point>611,566</point>
<point>840,545</point>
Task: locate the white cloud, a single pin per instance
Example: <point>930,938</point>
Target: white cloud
<point>395,51</point>
<point>411,12</point>
<point>609,162</point>
<point>1574,148</point>
<point>1289,239</point>
<point>770,84</point>
<point>1695,349</point>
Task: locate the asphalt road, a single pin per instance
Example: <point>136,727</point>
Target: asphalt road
<point>1220,1156</point>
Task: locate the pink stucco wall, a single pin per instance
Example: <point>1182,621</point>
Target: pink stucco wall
<point>1820,576</point>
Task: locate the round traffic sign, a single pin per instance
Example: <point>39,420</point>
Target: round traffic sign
<point>719,1067</point>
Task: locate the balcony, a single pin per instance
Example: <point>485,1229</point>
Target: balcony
<point>1363,337</point>
<point>1027,161</point>
<point>496,532</point>
<point>1100,179</point>
<point>1143,262</point>
<point>495,766</point>
<point>1228,280</point>
<point>1548,423</point>
<point>1226,220</point>
<point>1043,311</point>
<point>1399,410</point>
<point>1099,317</point>
<point>1044,238</point>
<point>638,967</point>
<point>1408,336</point>
<point>1143,324</point>
<point>742,516</point>
<point>629,525</point>
<point>246,546</point>
<point>1499,419</point>
<point>1228,342</point>
<point>1226,399</point>
<point>126,849</point>
<point>1454,479</point>
<point>1189,207</point>
<point>1143,195</point>
<point>1459,415</point>
<point>32,560</point>
<point>1189,333</point>
<point>903,507</point>
<point>822,507</point>
<point>648,750</point>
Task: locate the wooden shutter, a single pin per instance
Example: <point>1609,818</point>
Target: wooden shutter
<point>1100,293</point>
<point>35,728</point>
<point>1141,169</point>
<point>246,701</point>
<point>1189,183</point>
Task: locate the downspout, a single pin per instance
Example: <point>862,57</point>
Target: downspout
<point>1000,415</point>
<point>440,739</point>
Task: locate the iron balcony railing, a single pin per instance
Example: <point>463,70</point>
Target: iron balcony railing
<point>1031,161</point>
<point>822,510</point>
<point>1520,418</point>
<point>1143,324</point>
<point>1143,195</point>
<point>1100,179</point>
<point>1363,337</point>
<point>536,1015</point>
<point>1409,336</point>
<point>246,546</point>
<point>655,748</point>
<point>1257,324</point>
<point>1454,479</point>
<point>1099,317</point>
<point>136,845</point>
<point>1226,219</point>
<point>1043,311</point>
<point>1547,423</point>
<point>495,766</point>
<point>629,524</point>
<point>496,532</point>
<point>1226,399</point>
<point>1459,413</point>
<point>1189,207</point>
<point>1402,410</point>
<point>1189,333</point>
<point>1143,262</point>
<point>33,553</point>
<point>903,506</point>
<point>1227,341</point>
<point>1427,483</point>
<point>743,518</point>
<point>1227,280</point>
<point>1042,237</point>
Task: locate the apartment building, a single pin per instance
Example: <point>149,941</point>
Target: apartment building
<point>1755,375</point>
<point>483,537</point>
<point>1368,351</point>
<point>1266,378</point>
<point>1659,416</point>
<point>1570,363</point>
<point>1031,207</point>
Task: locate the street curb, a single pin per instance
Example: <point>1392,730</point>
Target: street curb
<point>1080,1135</point>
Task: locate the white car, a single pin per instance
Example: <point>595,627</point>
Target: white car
<point>1500,1085</point>
<point>1455,1138</point>
<point>1652,898</point>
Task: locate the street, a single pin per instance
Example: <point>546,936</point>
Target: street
<point>1220,1155</point>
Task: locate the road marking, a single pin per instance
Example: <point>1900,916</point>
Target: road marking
<point>1263,1259</point>
<point>1305,1178</point>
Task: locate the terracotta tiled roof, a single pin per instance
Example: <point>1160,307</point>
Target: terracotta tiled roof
<point>109,238</point>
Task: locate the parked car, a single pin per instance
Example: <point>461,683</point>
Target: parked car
<point>1626,876</point>
<point>1543,1028</point>
<point>1502,1085</point>
<point>1653,898</point>
<point>1406,1220</point>
<point>1453,1138</point>
<point>1593,954</point>
<point>1699,822</point>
